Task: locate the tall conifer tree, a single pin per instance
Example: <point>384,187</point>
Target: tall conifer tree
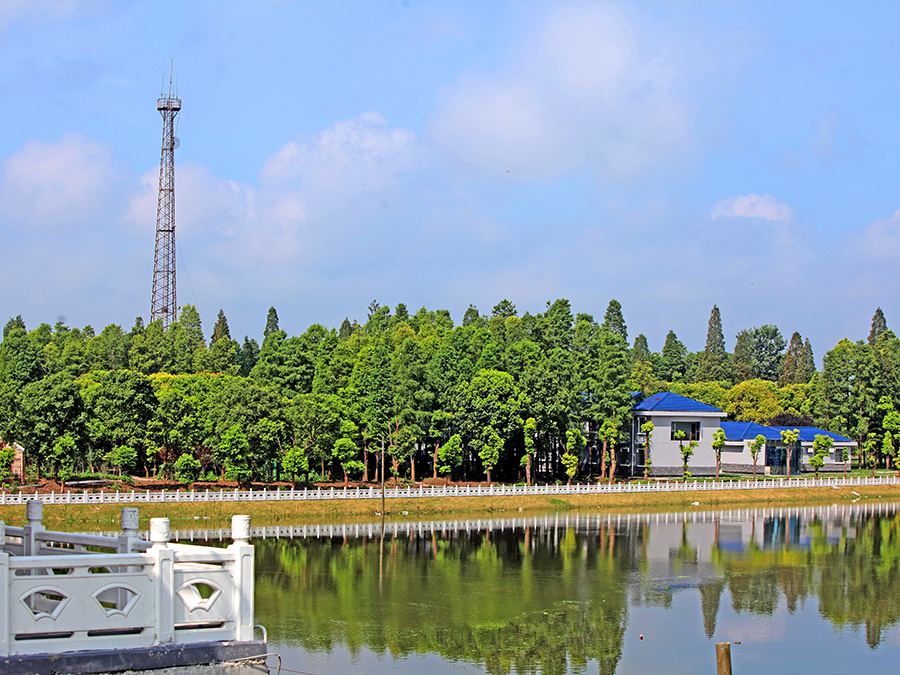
<point>614,322</point>
<point>713,365</point>
<point>879,325</point>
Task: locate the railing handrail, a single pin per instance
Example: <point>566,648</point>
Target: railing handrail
<point>133,594</point>
<point>423,491</point>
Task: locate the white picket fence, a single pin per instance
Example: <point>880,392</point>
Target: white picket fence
<point>424,491</point>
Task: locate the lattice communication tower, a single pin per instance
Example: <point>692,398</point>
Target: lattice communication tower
<point>164,303</point>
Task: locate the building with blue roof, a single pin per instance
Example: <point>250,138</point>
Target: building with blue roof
<point>834,461</point>
<point>666,401</point>
<point>671,413</point>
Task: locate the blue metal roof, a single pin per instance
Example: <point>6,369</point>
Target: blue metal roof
<point>666,401</point>
<point>741,431</point>
<point>810,433</point>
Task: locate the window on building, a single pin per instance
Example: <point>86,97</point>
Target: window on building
<point>691,430</point>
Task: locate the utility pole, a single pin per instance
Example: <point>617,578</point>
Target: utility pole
<point>164,303</point>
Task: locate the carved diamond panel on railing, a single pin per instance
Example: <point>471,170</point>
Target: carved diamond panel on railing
<point>199,594</point>
<point>46,602</point>
<point>116,599</point>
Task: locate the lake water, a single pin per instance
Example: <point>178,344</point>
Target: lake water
<point>804,590</point>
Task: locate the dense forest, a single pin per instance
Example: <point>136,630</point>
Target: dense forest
<point>501,396</point>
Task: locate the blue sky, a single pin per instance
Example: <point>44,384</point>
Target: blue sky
<point>670,155</point>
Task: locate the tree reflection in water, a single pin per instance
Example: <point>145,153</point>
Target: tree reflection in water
<point>552,593</point>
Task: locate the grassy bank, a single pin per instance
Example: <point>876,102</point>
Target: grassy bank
<point>218,514</point>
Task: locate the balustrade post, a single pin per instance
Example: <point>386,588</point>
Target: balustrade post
<point>4,593</point>
<point>164,580</point>
<point>243,578</point>
<point>129,520</point>
<point>34,514</point>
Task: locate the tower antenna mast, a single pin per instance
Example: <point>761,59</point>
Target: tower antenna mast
<point>164,302</point>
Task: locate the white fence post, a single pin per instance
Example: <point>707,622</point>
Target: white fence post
<point>243,577</point>
<point>164,573</point>
<point>129,520</point>
<point>4,593</point>
<point>34,513</point>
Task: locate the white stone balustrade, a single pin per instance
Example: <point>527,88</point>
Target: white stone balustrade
<point>62,592</point>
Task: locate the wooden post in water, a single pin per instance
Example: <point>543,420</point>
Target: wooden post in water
<point>723,658</point>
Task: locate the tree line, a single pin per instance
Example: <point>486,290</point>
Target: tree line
<point>528,397</point>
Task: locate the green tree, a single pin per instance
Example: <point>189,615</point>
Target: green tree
<point>557,325</point>
<point>295,462</point>
<point>713,364</point>
<point>187,468</point>
<point>471,317</point>
<point>641,350</point>
<point>610,400</point>
<point>109,350</point>
<point>63,456</point>
<point>879,325</point>
<point>7,455</point>
<point>119,407</point>
<point>222,356</point>
<point>821,448</point>
<point>19,357</point>
<point>718,442</point>
<point>614,322</point>
<point>151,350</point>
<point>378,397</point>
<point>346,453</point>
<point>286,364</point>
<point>752,400</point>
<point>378,320</point>
<point>647,429</point>
<point>530,432</point>
<point>247,356</point>
<point>489,450</point>
<point>687,451</point>
<point>504,309</point>
<point>609,436</point>
<point>742,359</point>
<point>789,438</point>
<point>890,426</point>
<point>12,324</point>
<point>232,454</point>
<point>758,353</point>
<point>486,409</point>
<point>124,458</point>
<point>673,365</point>
<point>187,340</point>
<point>795,368</point>
<point>180,421</point>
<point>642,378</point>
<point>271,323</point>
<point>316,426</point>
<point>867,454</point>
<point>887,449</point>
<point>574,443</point>
<point>756,445</point>
<point>47,411</point>
<point>450,454</point>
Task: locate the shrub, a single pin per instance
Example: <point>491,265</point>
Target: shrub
<point>187,468</point>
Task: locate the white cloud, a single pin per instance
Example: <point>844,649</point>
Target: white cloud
<point>583,94</point>
<point>75,210</point>
<point>754,206</point>
<point>881,240</point>
<point>63,184</point>
<point>305,190</point>
<point>354,156</point>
